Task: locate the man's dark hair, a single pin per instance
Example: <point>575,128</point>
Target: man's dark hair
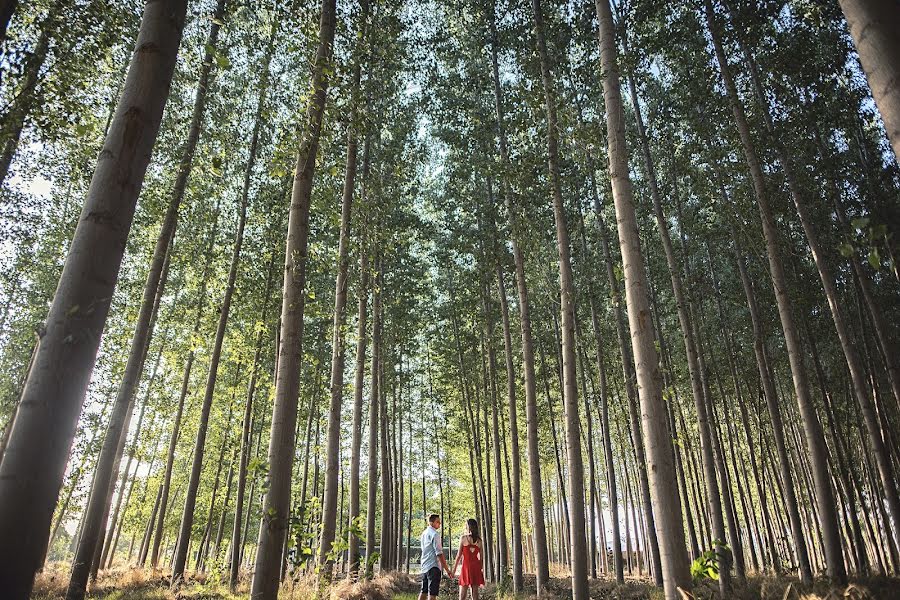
<point>433,517</point>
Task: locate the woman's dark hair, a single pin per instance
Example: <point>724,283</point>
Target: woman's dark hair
<point>472,524</point>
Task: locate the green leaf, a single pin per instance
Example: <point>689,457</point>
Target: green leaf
<point>875,259</point>
<point>860,222</point>
<point>846,250</point>
<point>222,61</point>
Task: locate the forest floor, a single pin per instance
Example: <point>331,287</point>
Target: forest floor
<point>137,584</point>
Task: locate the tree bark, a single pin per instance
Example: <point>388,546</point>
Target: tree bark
<point>372,488</point>
<point>361,343</point>
<point>542,569</point>
<point>579,551</point>
<point>246,433</point>
<point>815,439</point>
<point>281,446</point>
<point>12,123</point>
<point>514,463</point>
<point>713,497</point>
<point>873,27</point>
<point>329,509</point>
<point>494,436</point>
<point>143,333</point>
<point>657,441</point>
<point>32,469</point>
<point>848,344</point>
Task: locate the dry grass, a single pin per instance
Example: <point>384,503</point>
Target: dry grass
<point>137,584</point>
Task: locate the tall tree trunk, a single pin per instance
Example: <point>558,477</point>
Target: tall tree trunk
<point>281,446</point>
<point>187,518</point>
<point>329,509</point>
<point>815,439</point>
<point>125,475</point>
<point>103,486</point>
<point>13,120</point>
<point>848,344</point>
<point>246,433</point>
<point>690,349</point>
<point>657,441</point>
<point>542,569</point>
<point>589,438</point>
<point>751,450</point>
<point>384,541</point>
<point>873,27</point>
<point>143,333</point>
<point>629,377</point>
<point>567,308</point>
<point>514,463</point>
<point>772,403</point>
<point>32,469</point>
<point>494,436</point>
<point>612,493</point>
<point>220,529</point>
<point>372,488</point>
<point>361,343</point>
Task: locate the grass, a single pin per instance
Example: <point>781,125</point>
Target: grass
<point>137,584</point>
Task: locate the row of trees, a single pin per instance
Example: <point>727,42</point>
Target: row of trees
<point>715,387</point>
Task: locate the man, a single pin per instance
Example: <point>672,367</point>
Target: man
<point>432,556</point>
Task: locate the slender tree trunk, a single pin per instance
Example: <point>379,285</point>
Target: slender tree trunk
<point>629,377</point>
<point>13,120</point>
<point>815,439</point>
<point>657,441</point>
<point>220,530</point>
<point>542,570</point>
<point>246,434</point>
<point>94,522</point>
<point>125,475</point>
<point>611,490</point>
<point>482,416</point>
<point>384,545</point>
<point>154,286</point>
<point>690,348</point>
<point>187,519</point>
<point>592,474</point>
<point>515,466</point>
<point>494,436</point>
<point>329,509</point>
<point>361,343</point>
<point>281,445</point>
<point>372,487</point>
<point>567,301</point>
<point>733,534</point>
<point>775,418</point>
<point>848,344</point>
<point>179,411</point>
<point>32,469</point>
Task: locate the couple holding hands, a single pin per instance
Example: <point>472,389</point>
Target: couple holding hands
<point>467,565</point>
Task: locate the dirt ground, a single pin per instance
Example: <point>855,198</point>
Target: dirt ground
<point>136,584</point>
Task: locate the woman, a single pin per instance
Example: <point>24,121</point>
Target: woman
<point>471,575</point>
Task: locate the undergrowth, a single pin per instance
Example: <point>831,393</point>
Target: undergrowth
<point>139,584</point>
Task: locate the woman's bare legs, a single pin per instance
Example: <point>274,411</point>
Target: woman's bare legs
<point>474,592</point>
<point>463,589</point>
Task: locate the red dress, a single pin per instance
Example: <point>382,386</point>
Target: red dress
<point>471,572</point>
